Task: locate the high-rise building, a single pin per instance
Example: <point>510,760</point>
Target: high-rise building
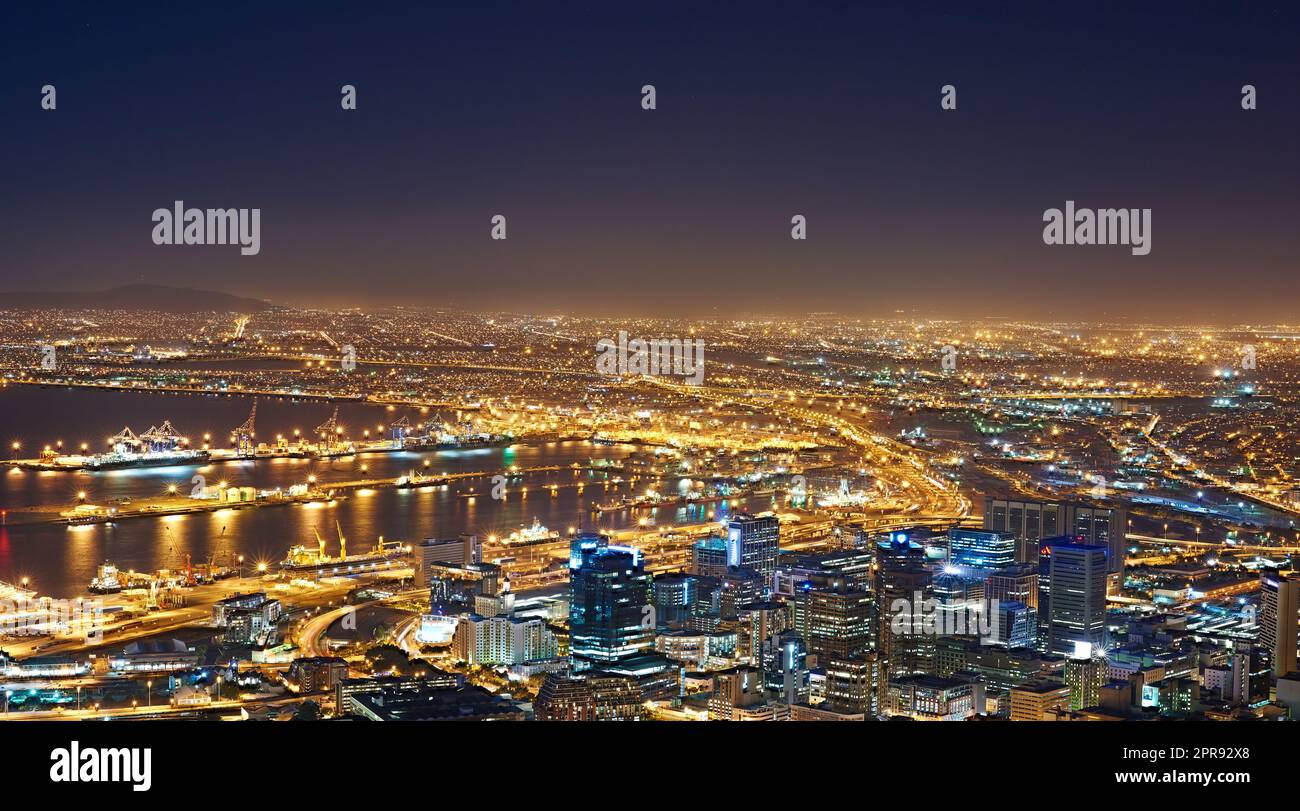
<point>459,551</point>
<point>934,698</point>
<point>1084,675</point>
<point>610,613</point>
<point>982,550</point>
<point>615,697</point>
<point>754,542</point>
<point>1015,584</point>
<point>1279,619</point>
<point>675,597</point>
<point>709,557</point>
<point>834,622</point>
<point>738,695</point>
<point>739,585</point>
<point>316,674</point>
<point>1015,625</point>
<point>850,568</point>
<point>1031,521</point>
<point>960,608</point>
<point>851,684</point>
<point>1075,599</point>
<point>759,622</point>
<point>503,640</point>
<point>785,668</point>
<point>597,696</point>
<point>903,589</point>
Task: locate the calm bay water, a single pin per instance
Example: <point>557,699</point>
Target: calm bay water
<point>60,560</point>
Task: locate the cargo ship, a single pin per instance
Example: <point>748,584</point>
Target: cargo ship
<point>116,461</point>
<point>526,536</point>
<point>305,559</point>
<point>475,442</point>
<point>414,479</point>
<point>106,580</point>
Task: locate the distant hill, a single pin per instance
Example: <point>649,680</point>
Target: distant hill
<point>156,297</point>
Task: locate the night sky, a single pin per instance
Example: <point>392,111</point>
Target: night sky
<point>765,110</point>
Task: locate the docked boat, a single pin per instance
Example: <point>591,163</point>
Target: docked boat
<point>535,534</point>
<point>414,479</point>
<point>106,580</point>
<point>475,442</point>
<point>118,461</point>
<point>305,559</point>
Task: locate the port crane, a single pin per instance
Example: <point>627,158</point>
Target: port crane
<point>320,544</point>
<point>329,431</point>
<point>242,437</point>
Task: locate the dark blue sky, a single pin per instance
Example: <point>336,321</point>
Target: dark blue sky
<point>765,110</point>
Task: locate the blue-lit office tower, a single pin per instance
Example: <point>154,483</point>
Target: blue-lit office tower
<point>677,598</point>
<point>959,606</point>
<point>785,667</point>
<point>1015,625</point>
<point>903,589</point>
<point>983,550</point>
<point>1072,582</point>
<point>611,618</point>
<point>754,543</point>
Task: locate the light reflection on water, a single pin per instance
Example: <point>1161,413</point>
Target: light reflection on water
<point>61,560</point>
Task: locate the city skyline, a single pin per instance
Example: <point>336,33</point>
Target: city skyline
<point>675,363</point>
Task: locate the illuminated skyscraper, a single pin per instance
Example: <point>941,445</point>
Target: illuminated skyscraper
<point>981,549</point>
<point>1017,584</point>
<point>755,543</point>
<point>1075,599</point>
<point>709,557</point>
<point>1084,674</point>
<point>1279,603</point>
<point>851,684</point>
<point>904,590</point>
<point>834,622</point>
<point>1031,521</point>
<point>611,618</point>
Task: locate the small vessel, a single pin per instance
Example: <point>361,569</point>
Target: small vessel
<point>82,520</point>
